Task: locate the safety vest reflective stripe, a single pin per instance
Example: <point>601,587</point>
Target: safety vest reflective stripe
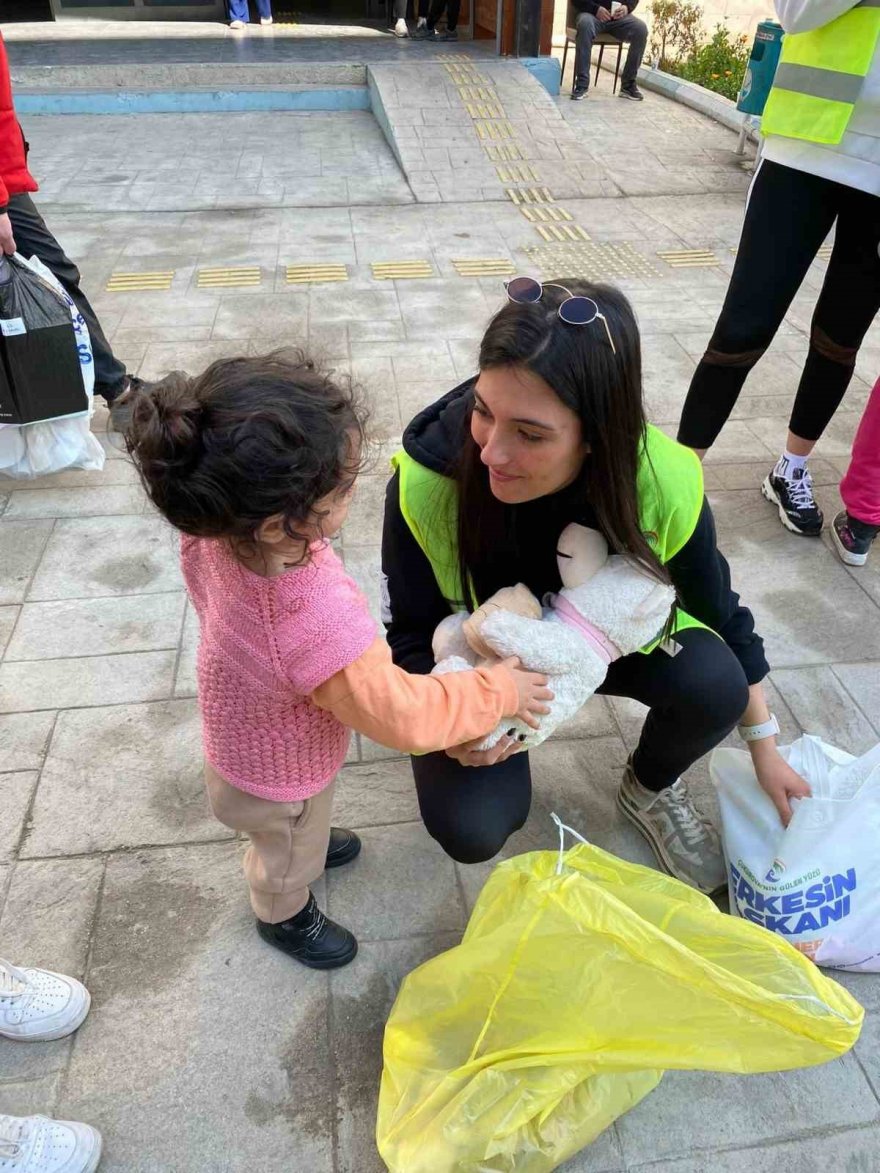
<point>819,83</point>
<point>821,75</point>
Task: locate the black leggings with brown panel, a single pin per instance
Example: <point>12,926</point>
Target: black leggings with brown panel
<point>789,215</point>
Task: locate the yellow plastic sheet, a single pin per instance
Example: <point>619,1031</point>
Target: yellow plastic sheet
<point>569,996</point>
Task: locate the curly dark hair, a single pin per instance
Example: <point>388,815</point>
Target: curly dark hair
<point>248,439</point>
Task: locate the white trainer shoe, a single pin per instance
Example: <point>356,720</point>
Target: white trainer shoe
<point>400,28</point>
<point>36,1144</point>
<point>37,1005</point>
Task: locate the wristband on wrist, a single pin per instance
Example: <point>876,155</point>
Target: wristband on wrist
<point>759,732</point>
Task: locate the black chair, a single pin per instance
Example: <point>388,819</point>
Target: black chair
<point>602,41</point>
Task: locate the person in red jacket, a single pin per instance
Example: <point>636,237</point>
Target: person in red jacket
<point>23,230</point>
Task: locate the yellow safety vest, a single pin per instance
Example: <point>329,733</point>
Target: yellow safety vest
<point>820,76</point>
<point>670,491</point>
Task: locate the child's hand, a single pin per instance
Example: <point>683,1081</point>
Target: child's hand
<point>533,690</point>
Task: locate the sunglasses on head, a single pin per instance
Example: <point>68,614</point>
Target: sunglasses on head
<point>575,310</point>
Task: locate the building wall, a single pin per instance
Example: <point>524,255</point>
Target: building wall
<point>741,15</point>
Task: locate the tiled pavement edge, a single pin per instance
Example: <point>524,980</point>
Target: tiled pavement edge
<point>204,1051</point>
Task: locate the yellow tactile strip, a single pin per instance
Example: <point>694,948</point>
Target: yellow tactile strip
<point>401,270</point>
<point>138,282</point>
<point>315,273</point>
<point>228,278</point>
<point>484,267</point>
<point>690,258</point>
<point>587,258</point>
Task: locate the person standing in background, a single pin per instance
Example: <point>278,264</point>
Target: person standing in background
<point>613,20</point>
<point>239,15</point>
<point>820,170</point>
<point>23,229</point>
<point>856,526</point>
<point>400,25</point>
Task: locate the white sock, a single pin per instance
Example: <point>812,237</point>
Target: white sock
<point>788,464</point>
<point>422,21</point>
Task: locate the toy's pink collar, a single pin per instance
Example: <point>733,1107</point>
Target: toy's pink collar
<point>571,617</point>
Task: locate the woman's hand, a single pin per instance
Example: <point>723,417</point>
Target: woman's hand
<point>777,777</point>
<point>468,755</point>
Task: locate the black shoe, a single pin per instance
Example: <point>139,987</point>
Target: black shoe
<point>344,847</point>
<point>450,35</point>
<point>852,538</point>
<point>632,92</point>
<point>793,496</point>
<point>579,93</point>
<point>311,938</point>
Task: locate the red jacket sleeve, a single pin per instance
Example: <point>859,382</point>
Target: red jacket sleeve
<point>14,175</point>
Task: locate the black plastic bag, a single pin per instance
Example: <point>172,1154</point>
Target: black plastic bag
<point>40,374</point>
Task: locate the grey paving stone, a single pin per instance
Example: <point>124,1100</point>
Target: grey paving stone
<point>362,995</point>
<point>121,777</point>
<point>76,502</point>
<point>93,627</point>
<point>862,682</point>
<point>185,683</point>
<point>368,897</point>
<point>86,680</point>
<point>8,616</point>
<point>47,919</point>
<point>363,526</point>
<point>867,1050</point>
<point>21,546</point>
<point>375,794</point>
<point>28,1097</point>
<point>17,790</point>
<point>23,739</point>
<point>363,563</point>
<point>176,923</point>
<point>850,1151</point>
<point>705,1111</point>
<point>602,1156</point>
<point>92,557</point>
<point>821,706</point>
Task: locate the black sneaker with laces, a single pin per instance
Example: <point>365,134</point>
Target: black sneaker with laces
<point>344,847</point>
<point>579,93</point>
<point>311,938</point>
<point>632,92</point>
<point>793,496</point>
<point>852,538</point>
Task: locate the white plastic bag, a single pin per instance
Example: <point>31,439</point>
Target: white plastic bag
<point>817,881</point>
<point>34,450</point>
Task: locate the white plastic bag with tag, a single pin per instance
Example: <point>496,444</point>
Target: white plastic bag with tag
<point>817,881</point>
<point>34,450</point>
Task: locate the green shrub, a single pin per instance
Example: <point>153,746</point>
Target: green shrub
<point>719,65</point>
<point>678,47</point>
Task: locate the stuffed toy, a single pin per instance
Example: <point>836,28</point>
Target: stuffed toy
<point>607,608</point>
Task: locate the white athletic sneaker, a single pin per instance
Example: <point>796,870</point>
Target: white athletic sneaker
<point>400,29</point>
<point>266,20</point>
<point>37,1005</point>
<point>36,1144</point>
<point>236,25</point>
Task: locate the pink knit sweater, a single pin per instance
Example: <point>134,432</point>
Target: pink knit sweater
<point>266,644</point>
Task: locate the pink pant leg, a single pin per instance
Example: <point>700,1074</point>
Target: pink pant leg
<point>860,487</point>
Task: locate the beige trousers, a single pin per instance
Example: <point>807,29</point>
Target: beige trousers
<point>288,847</point>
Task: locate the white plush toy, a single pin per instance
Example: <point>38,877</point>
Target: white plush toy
<point>607,608</point>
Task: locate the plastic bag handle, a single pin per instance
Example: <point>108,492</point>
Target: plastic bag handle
<point>563,827</point>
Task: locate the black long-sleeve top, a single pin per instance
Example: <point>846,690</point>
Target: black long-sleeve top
<point>413,604</point>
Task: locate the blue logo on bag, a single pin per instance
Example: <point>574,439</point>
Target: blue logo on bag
<point>775,873</point>
<point>799,906</point>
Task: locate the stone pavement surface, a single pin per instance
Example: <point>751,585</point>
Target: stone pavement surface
<point>205,1050</point>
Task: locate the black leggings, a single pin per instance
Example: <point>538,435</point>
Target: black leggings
<point>695,698</point>
<point>788,216</point>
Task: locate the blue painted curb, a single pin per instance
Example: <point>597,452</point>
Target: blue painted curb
<point>193,102</point>
<point>547,70</point>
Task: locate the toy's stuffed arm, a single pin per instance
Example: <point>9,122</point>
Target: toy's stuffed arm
<point>541,646</point>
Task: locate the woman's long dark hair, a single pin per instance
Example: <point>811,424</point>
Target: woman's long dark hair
<point>604,390</point>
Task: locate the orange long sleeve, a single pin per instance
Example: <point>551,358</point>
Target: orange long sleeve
<point>418,714</point>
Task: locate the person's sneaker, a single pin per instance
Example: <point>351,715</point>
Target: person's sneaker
<point>311,938</point>
<point>37,1005</point>
<point>450,35</point>
<point>236,25</point>
<point>400,29</point>
<point>36,1144</point>
<point>687,846</point>
<point>266,20</point>
<point>793,497</point>
<point>632,92</point>
<point>579,93</point>
<point>344,847</point>
<point>427,34</point>
<point>852,538</point>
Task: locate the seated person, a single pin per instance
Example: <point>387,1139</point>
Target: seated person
<point>614,20</point>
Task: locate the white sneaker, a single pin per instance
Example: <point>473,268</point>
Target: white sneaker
<point>37,1005</point>
<point>266,20</point>
<point>36,1144</point>
<point>400,29</point>
<point>236,25</point>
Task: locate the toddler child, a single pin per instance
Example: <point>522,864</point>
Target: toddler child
<point>255,461</point>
